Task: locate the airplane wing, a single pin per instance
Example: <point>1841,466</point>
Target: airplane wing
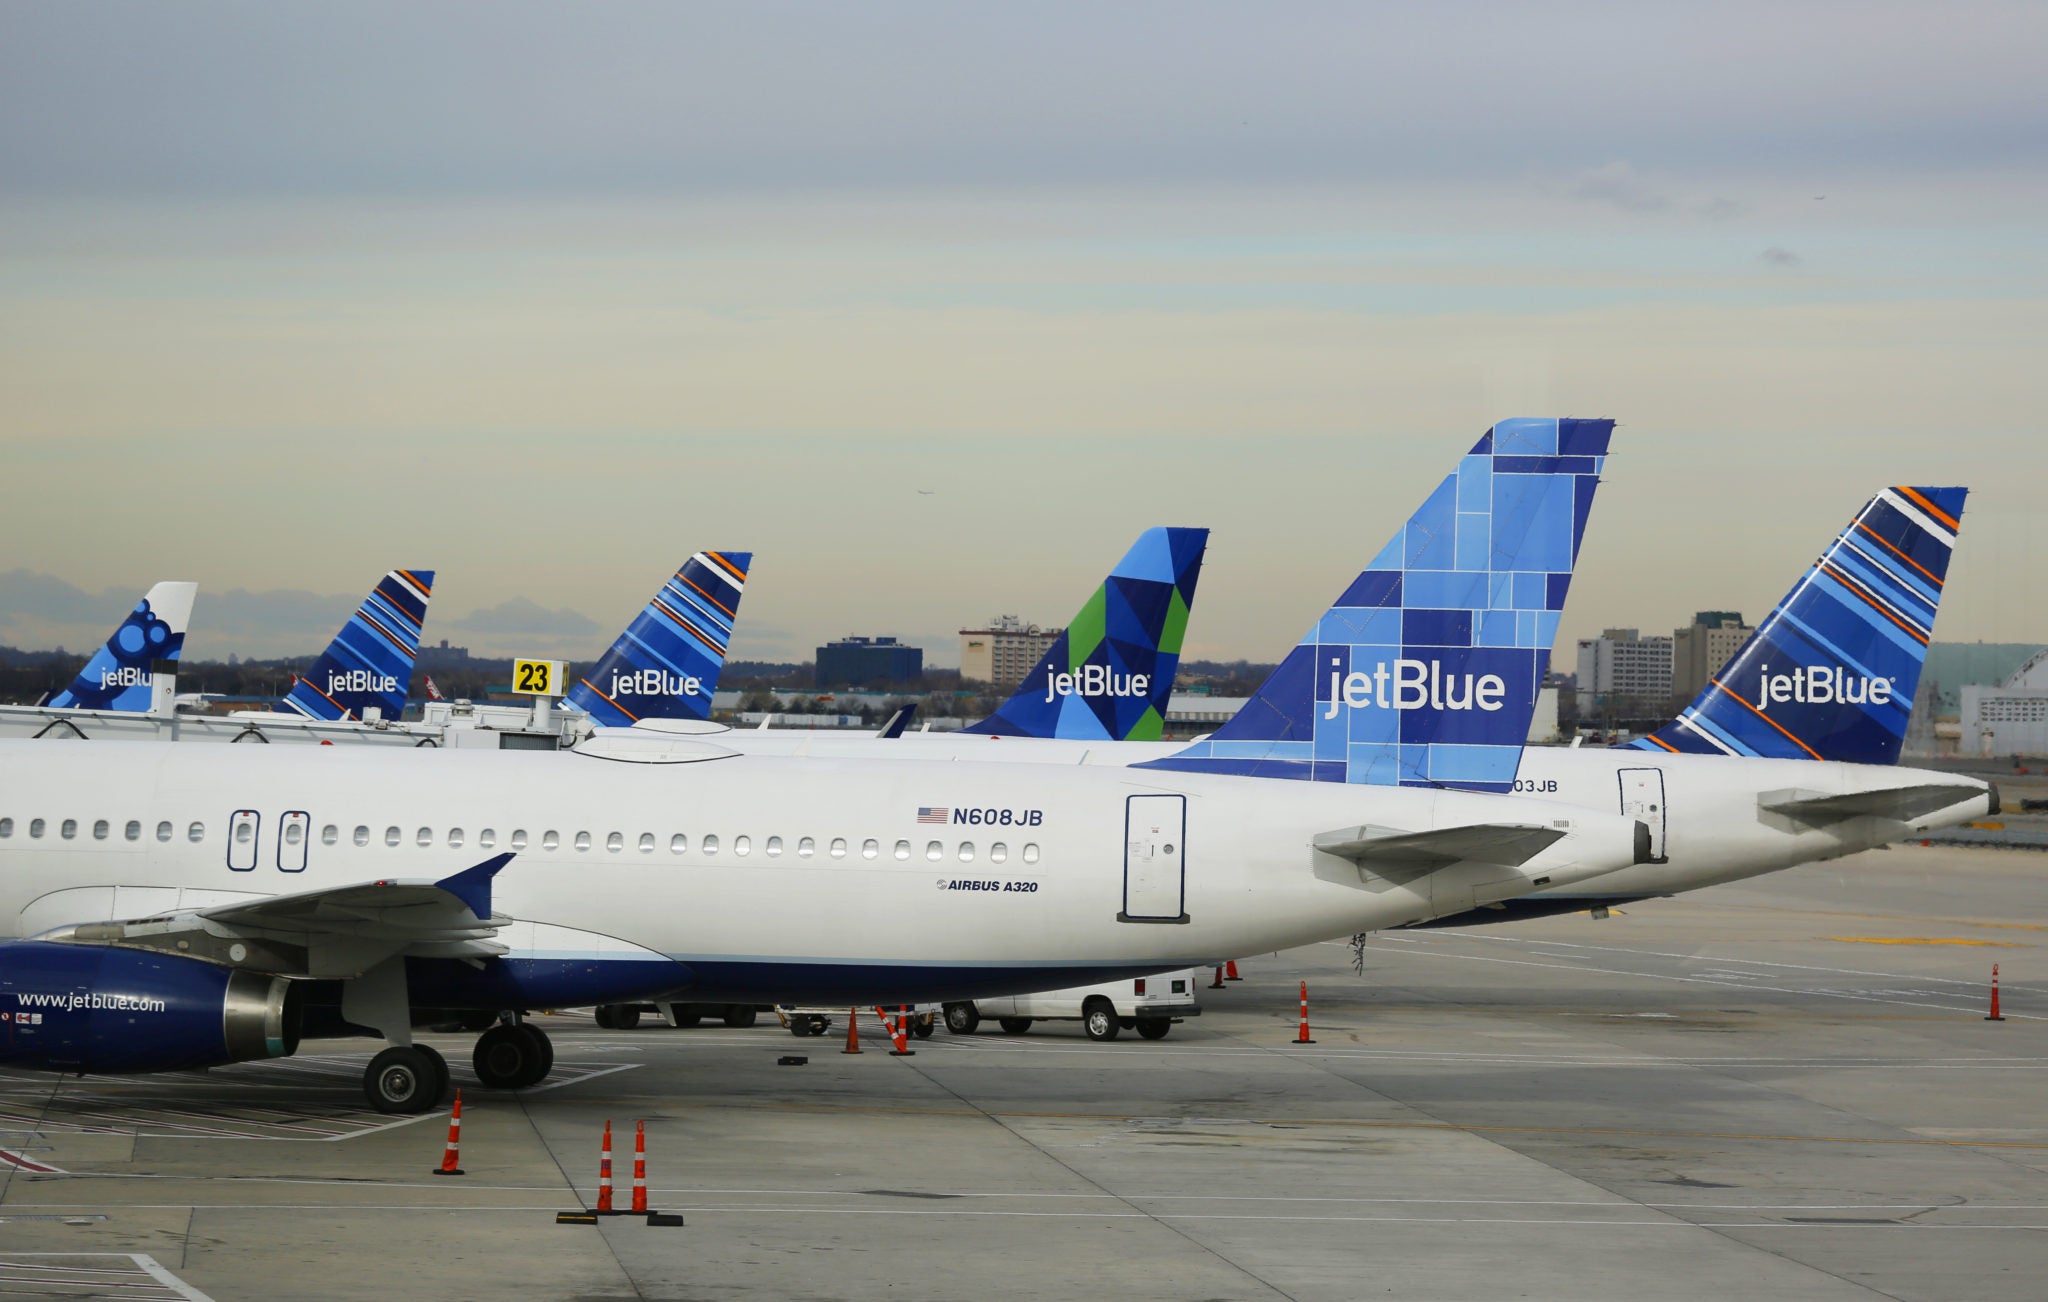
<point>1901,803</point>
<point>334,932</point>
<point>1398,856</point>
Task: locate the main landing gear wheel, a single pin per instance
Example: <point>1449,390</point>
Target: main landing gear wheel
<point>404,1080</point>
<point>512,1057</point>
<point>961,1019</point>
<point>1098,1019</point>
<point>440,1069</point>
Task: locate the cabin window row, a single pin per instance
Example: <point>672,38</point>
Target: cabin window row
<point>773,847</point>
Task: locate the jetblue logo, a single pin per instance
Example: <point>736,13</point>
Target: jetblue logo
<point>1097,680</point>
<point>361,680</point>
<point>1821,685</point>
<point>655,682</point>
<point>1413,685</point>
<point>125,676</point>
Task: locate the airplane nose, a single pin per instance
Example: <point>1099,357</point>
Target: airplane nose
<point>1643,854</point>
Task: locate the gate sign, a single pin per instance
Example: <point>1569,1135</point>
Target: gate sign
<point>540,678</point>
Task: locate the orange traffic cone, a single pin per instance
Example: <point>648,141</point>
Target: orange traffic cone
<point>852,1031</point>
<point>1230,971</point>
<point>451,1157</point>
<point>902,1049</point>
<point>1995,1016</point>
<point>604,1174</point>
<point>1217,984</point>
<point>1302,1037</point>
<point>640,1168</point>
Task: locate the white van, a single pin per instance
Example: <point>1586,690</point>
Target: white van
<point>1148,1005</point>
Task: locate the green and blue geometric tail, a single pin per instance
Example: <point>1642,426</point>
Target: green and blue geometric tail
<point>665,665</point>
<point>118,676</point>
<point>1109,675</point>
<point>1831,674</point>
<point>369,663</point>
<point>1426,670</point>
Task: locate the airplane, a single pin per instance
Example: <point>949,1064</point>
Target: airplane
<point>665,664</point>
<point>196,906</point>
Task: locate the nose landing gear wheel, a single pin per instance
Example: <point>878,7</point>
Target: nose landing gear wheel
<point>404,1081</point>
<point>512,1057</point>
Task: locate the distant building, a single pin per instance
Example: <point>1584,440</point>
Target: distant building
<point>2010,719</point>
<point>1001,654</point>
<point>867,661</point>
<point>1622,664</point>
<point>1700,649</point>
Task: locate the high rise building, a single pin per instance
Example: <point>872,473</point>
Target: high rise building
<point>1700,649</point>
<point>867,662</point>
<point>1621,664</point>
<point>1001,654</point>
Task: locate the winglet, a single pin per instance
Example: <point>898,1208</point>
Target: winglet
<point>120,674</point>
<point>1832,672</point>
<point>473,885</point>
<point>369,663</point>
<point>665,664</point>
<point>1427,669</point>
<point>1109,676</point>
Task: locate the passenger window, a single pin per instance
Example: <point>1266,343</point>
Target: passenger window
<point>361,836</point>
<point>100,830</point>
<point>742,845</point>
<point>678,843</point>
<point>245,832</point>
<point>329,834</point>
<point>6,827</point>
<point>615,842</point>
<point>806,848</point>
<point>70,829</point>
<point>424,837</point>
<point>1031,852</point>
<point>454,838</point>
<point>163,831</point>
<point>934,851</point>
<point>582,842</point>
<point>392,836</point>
<point>870,848</point>
<point>838,847</point>
<point>998,852</point>
<point>35,827</point>
<point>647,843</point>
<point>486,838</point>
<point>903,849</point>
<point>134,829</point>
<point>294,833</point>
<point>550,839</point>
<point>967,852</point>
<point>774,846</point>
<point>709,845</point>
<point>518,838</point>
<point>195,833</point>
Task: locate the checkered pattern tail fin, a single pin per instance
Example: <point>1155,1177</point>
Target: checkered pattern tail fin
<point>666,663</point>
<point>1426,670</point>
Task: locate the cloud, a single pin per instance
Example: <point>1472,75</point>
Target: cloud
<point>1778,257</point>
<point>1617,185</point>
<point>518,616</point>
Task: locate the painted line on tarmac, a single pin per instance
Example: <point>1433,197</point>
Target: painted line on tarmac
<point>1153,1055</point>
<point>146,1277</point>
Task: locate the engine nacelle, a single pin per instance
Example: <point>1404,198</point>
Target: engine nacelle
<point>97,1008</point>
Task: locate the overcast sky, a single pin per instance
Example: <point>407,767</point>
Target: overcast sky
<point>545,297</point>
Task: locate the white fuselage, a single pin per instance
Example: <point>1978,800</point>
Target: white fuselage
<point>758,871</point>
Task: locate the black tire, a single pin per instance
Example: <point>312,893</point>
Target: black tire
<point>508,1057</point>
<point>923,1025</point>
<point>961,1019</point>
<point>1098,1019</point>
<point>741,1015</point>
<point>1154,1028</point>
<point>607,1017</point>
<point>545,1046</point>
<point>440,1069</point>
<point>1014,1025</point>
<point>820,1024</point>
<point>626,1017</point>
<point>403,1081</point>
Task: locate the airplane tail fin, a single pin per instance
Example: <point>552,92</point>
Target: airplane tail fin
<point>1109,675</point>
<point>1426,670</point>
<point>1832,673</point>
<point>666,663</point>
<point>369,663</point>
<point>123,674</point>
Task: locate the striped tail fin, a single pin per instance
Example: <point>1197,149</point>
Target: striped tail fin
<point>1109,675</point>
<point>1426,670</point>
<point>369,663</point>
<point>665,665</point>
<point>1831,674</point>
<point>147,643</point>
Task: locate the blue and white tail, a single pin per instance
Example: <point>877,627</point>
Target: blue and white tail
<point>147,644</point>
<point>1427,669</point>
<point>666,664</point>
<point>1109,675</point>
<point>369,663</point>
<point>1831,674</point>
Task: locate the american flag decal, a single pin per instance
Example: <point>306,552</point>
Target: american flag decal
<point>932,813</point>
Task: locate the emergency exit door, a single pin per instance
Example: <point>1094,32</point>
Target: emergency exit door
<point>1155,859</point>
<point>1642,798</point>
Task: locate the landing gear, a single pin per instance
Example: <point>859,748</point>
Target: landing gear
<point>440,1069</point>
<point>512,1056</point>
<point>405,1080</point>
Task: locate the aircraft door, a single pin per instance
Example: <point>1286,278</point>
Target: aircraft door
<point>1155,858</point>
<point>243,826</point>
<point>292,834</point>
<point>1642,798</point>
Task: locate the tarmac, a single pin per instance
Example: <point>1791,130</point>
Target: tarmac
<point>1784,1088</point>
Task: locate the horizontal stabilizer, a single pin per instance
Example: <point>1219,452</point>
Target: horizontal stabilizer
<point>897,722</point>
<point>1403,856</point>
<point>1903,804</point>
